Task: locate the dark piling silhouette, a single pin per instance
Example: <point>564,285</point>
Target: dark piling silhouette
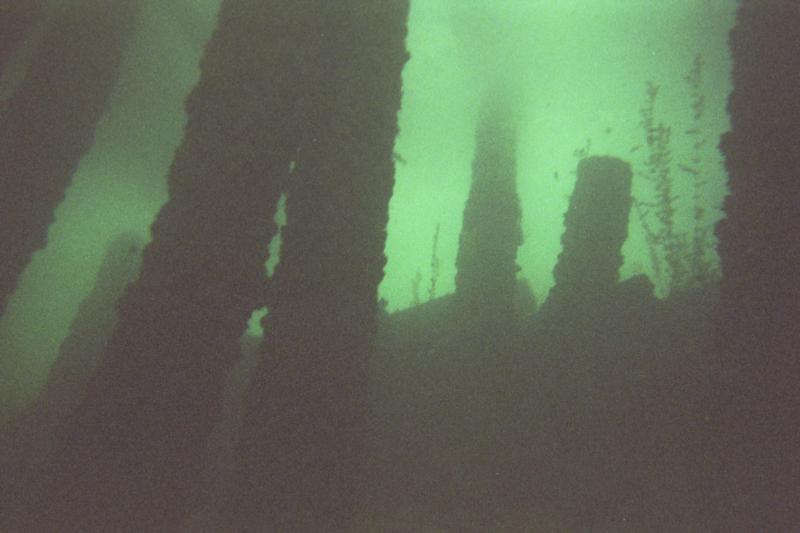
<point>304,433</point>
<point>486,268</point>
<point>759,249</point>
<point>595,228</point>
<point>49,122</point>
<point>135,451</point>
<point>32,435</point>
<point>80,352</point>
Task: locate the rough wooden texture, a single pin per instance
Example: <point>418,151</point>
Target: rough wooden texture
<point>759,248</point>
<point>595,228</point>
<point>305,422</point>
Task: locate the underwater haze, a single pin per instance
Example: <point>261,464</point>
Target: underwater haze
<point>578,70</point>
<point>399,265</point>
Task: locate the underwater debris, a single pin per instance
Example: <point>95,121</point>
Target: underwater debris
<point>582,153</point>
<point>689,170</point>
